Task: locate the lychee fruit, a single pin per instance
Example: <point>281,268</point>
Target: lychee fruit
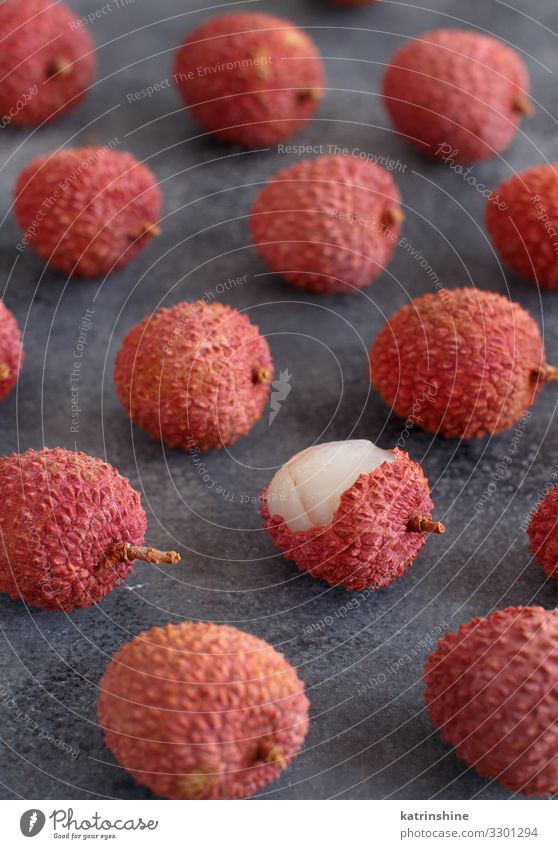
<point>522,221</point>
<point>456,94</point>
<point>70,529</point>
<point>202,711</point>
<point>350,513</point>
<point>196,376</point>
<point>47,61</point>
<point>11,353</point>
<point>250,78</point>
<point>462,363</point>
<point>328,224</point>
<point>543,532</point>
<point>87,211</point>
<point>492,689</point>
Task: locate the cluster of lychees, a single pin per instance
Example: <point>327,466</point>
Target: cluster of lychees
<point>349,513</point>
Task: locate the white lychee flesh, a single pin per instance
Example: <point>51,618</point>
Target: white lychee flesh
<point>307,490</point>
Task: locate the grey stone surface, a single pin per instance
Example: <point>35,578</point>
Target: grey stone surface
<point>370,736</point>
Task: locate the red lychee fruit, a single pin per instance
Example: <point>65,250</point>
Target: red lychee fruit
<point>350,513</point>
<point>11,353</point>
<point>462,363</point>
<point>70,529</point>
<point>456,94</point>
<point>328,224</point>
<point>492,689</point>
<point>202,711</point>
<point>250,78</point>
<point>47,61</point>
<point>522,220</point>
<point>196,376</point>
<point>543,532</point>
<point>87,211</point>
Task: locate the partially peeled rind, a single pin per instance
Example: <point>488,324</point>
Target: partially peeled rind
<point>375,526</point>
<point>307,490</point>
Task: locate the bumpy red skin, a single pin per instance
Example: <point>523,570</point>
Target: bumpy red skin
<point>328,224</point>
<point>273,88</point>
<point>193,710</point>
<point>492,689</point>
<point>87,211</point>
<point>460,363</point>
<point>60,511</point>
<point>188,375</point>
<point>11,353</point>
<point>459,89</point>
<point>543,533</point>
<point>35,36</point>
<point>524,232</point>
<point>368,544</point>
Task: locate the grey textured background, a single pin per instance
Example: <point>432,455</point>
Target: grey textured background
<point>360,655</point>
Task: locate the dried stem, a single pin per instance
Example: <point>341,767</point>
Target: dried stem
<point>60,66</point>
<point>546,373</point>
<point>127,551</point>
<point>4,371</point>
<point>425,525</point>
<point>262,375</point>
<point>523,106</point>
<point>392,217</point>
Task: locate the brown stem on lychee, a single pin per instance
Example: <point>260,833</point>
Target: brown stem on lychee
<point>60,66</point>
<point>261,375</point>
<point>305,94</point>
<point>391,217</point>
<point>425,525</point>
<point>547,373</point>
<point>129,552</point>
<point>146,229</point>
<point>4,371</point>
<point>523,106</point>
<point>273,755</point>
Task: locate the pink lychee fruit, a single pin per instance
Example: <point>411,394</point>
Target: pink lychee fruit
<point>328,224</point>
<point>11,352</point>
<point>87,211</point>
<point>350,513</point>
<point>47,61</point>
<point>250,78</point>
<point>71,527</point>
<point>543,532</point>
<point>196,376</point>
<point>202,711</point>
<point>457,94</point>
<point>522,221</point>
<point>492,689</point>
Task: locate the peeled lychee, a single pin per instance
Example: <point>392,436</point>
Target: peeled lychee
<point>47,61</point>
<point>522,220</point>
<point>328,224</point>
<point>460,363</point>
<point>492,688</point>
<point>543,532</point>
<point>457,94</point>
<point>195,376</point>
<point>250,78</point>
<point>70,529</point>
<point>87,211</point>
<point>202,711</point>
<point>11,353</point>
<point>350,513</point>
